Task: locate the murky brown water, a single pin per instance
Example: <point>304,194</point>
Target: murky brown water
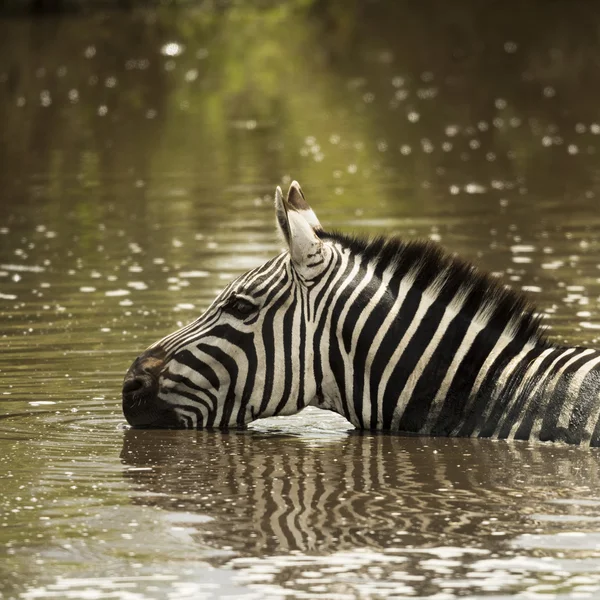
<point>138,157</point>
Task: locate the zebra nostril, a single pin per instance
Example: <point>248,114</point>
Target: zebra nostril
<point>133,385</point>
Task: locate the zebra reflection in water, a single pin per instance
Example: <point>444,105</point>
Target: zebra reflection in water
<point>269,493</point>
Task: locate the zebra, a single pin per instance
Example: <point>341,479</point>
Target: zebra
<point>392,335</point>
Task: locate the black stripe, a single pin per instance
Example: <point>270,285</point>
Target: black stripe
<point>535,402</point>
<point>290,353</point>
<point>192,362</point>
<point>268,338</point>
<point>455,403</point>
<point>228,363</point>
<point>486,389</point>
<point>549,430</point>
<point>417,410</point>
<point>506,394</point>
<point>525,402</point>
<point>405,366</point>
<point>384,353</point>
<point>584,405</point>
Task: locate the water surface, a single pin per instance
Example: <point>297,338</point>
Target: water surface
<point>139,152</point>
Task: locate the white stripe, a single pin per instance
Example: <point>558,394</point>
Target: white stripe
<point>541,381</point>
<point>449,313</point>
<point>479,322</point>
<point>328,368</point>
<point>591,424</point>
<point>501,386</point>
<point>573,393</point>
<point>537,426</point>
<point>532,370</point>
<point>428,297</point>
<point>508,335</point>
<point>405,286</point>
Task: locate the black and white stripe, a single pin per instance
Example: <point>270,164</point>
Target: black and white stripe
<point>391,335</point>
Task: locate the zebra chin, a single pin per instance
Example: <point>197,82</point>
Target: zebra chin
<point>157,418</point>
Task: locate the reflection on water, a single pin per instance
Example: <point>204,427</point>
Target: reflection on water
<point>138,155</point>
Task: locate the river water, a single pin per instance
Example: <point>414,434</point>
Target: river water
<point>139,152</point>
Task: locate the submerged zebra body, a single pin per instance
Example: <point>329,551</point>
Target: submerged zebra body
<point>392,335</point>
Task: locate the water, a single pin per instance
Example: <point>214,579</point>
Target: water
<point>139,152</point>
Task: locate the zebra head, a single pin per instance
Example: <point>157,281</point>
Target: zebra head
<point>250,354</point>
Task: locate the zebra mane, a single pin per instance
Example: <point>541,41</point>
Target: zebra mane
<point>426,261</point>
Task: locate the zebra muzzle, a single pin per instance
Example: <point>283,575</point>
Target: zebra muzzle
<point>140,389</point>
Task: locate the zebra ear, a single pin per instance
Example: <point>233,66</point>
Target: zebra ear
<point>306,249</point>
<point>297,201</point>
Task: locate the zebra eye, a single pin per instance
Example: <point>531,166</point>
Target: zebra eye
<point>240,307</point>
